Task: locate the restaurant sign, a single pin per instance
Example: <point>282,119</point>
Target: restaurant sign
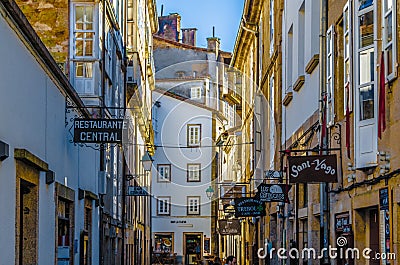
<point>309,169</point>
<point>229,227</point>
<point>273,192</point>
<point>98,130</point>
<point>249,207</point>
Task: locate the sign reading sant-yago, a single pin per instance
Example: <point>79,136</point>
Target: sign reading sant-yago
<point>273,192</point>
<point>309,169</point>
<point>98,130</point>
<point>249,207</point>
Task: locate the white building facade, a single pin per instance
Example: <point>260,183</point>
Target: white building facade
<point>183,162</point>
<point>48,184</point>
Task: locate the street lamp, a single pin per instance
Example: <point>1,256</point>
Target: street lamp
<point>210,192</point>
<point>147,161</point>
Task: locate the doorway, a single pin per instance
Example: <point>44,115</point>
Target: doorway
<point>374,235</point>
<point>193,248</point>
<point>27,223</point>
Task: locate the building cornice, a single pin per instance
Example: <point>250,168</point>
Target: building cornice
<point>248,26</point>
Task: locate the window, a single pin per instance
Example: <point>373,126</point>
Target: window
<point>365,96</point>
<point>164,173</point>
<point>330,113</point>
<point>301,40</point>
<point>194,135</point>
<point>194,172</point>
<point>195,93</point>
<point>83,31</point>
<point>164,206</point>
<point>348,92</point>
<point>84,77</point>
<point>86,244</point>
<point>389,38</point>
<point>366,63</point>
<point>193,205</point>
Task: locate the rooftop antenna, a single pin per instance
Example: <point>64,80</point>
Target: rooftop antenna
<point>213,31</point>
<point>162,10</point>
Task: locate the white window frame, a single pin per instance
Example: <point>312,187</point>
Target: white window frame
<point>163,172</point>
<point>194,172</point>
<point>164,205</point>
<point>193,205</point>
<point>84,30</point>
<point>330,73</point>
<point>271,122</point>
<point>195,92</point>
<point>386,12</point>
<point>347,62</point>
<point>193,138</point>
<point>365,130</point>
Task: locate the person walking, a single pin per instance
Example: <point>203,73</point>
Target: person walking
<point>231,260</point>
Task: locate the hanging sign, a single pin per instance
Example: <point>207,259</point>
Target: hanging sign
<point>98,130</point>
<point>273,174</point>
<point>137,191</point>
<point>308,169</point>
<point>385,220</point>
<point>249,207</point>
<point>273,192</point>
<point>229,227</point>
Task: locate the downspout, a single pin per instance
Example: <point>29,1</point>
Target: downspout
<point>324,215</point>
<point>102,153</point>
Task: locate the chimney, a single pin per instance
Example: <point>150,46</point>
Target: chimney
<point>169,27</point>
<point>189,36</point>
<point>213,43</point>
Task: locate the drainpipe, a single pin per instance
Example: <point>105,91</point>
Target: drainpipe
<point>102,151</point>
<point>324,215</point>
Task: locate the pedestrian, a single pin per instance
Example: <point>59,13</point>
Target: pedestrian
<point>231,260</point>
<point>217,261</point>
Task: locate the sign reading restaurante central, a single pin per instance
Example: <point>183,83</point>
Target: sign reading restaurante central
<point>98,130</point>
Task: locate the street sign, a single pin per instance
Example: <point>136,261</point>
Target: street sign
<point>249,207</point>
<point>229,227</point>
<point>312,169</point>
<point>273,192</point>
<point>137,191</point>
<point>273,174</point>
<point>98,130</point>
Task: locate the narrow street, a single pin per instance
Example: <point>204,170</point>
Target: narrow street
<point>247,132</point>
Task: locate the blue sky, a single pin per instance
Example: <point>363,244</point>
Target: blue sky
<point>204,14</point>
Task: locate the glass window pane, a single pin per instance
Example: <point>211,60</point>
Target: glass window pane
<point>89,48</point>
<point>366,22</point>
<point>89,14</point>
<point>346,48</point>
<point>389,59</point>
<point>79,14</point>
<point>347,71</point>
<point>388,5</point>
<point>79,48</point>
<point>89,70</point>
<point>345,20</point>
<point>79,70</point>
<point>389,27</point>
<point>366,102</point>
<point>365,3</point>
<point>366,66</point>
